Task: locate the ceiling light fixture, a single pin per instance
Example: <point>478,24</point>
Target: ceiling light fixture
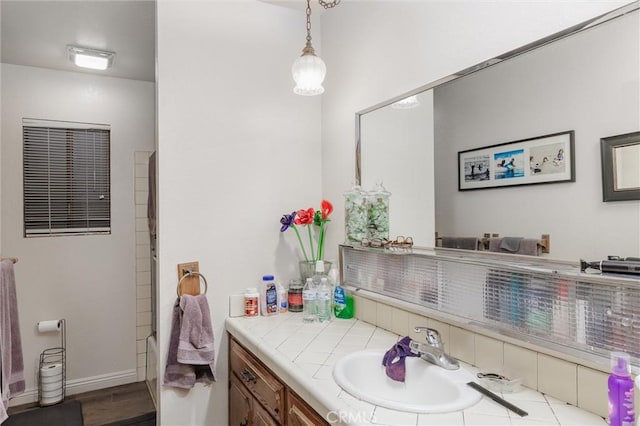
<point>90,58</point>
<point>309,69</point>
<point>406,103</point>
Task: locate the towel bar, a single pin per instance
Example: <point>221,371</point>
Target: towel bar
<point>188,274</point>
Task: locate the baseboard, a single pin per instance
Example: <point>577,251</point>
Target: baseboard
<point>85,384</point>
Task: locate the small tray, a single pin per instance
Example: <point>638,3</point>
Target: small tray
<point>499,383</point>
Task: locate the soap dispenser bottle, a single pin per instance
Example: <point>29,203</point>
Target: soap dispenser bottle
<point>621,401</point>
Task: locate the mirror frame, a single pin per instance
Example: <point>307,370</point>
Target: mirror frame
<point>607,148</point>
<point>623,10</point>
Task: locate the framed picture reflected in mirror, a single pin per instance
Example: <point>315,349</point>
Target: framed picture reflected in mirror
<point>620,157</point>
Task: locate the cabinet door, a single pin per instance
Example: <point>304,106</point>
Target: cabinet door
<point>259,381</point>
<point>300,414</point>
<point>261,417</point>
<point>240,402</point>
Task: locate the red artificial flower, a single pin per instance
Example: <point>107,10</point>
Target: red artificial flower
<point>327,209</point>
<point>304,217</point>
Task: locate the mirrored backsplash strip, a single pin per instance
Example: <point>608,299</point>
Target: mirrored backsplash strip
<point>558,308</point>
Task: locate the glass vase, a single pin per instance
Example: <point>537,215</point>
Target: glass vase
<point>356,215</point>
<point>308,269</point>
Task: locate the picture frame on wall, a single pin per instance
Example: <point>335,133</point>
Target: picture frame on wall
<point>537,160</point>
<point>620,156</point>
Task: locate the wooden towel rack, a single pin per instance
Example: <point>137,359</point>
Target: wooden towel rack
<point>544,242</point>
<point>13,259</point>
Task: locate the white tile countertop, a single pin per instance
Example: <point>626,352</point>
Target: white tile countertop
<point>303,355</point>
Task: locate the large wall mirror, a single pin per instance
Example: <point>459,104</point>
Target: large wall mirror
<point>585,80</point>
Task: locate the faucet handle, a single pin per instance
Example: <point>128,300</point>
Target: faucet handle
<point>433,337</point>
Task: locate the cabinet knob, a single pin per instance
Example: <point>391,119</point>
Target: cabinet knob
<point>248,376</point>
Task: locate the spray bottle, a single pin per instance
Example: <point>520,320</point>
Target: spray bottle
<point>621,401</point>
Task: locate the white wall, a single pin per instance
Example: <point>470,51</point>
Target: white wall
<point>89,280</point>
<point>236,150</point>
<point>536,94</point>
<point>377,50</point>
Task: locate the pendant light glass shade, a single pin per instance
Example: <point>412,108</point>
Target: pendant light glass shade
<point>308,72</point>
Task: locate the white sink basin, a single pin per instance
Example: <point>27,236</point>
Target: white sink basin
<point>427,387</point>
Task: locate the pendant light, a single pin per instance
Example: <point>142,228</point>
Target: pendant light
<point>309,69</point>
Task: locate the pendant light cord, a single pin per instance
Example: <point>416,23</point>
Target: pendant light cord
<point>308,49</point>
<point>308,23</point>
<point>330,4</point>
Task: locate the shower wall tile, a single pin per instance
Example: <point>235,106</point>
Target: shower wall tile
<point>143,278</point>
<point>143,305</point>
<point>143,291</point>
<point>143,258</point>
<point>143,318</point>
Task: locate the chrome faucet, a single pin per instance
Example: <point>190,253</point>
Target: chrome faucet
<point>433,350</point>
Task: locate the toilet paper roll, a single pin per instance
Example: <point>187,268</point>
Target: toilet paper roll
<point>49,370</point>
<point>49,325</point>
<point>50,394</point>
<point>51,401</point>
<point>50,380</point>
<point>54,387</point>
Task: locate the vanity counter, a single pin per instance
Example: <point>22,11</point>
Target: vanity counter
<point>303,355</point>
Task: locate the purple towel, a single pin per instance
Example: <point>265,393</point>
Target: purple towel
<point>195,344</point>
<point>181,375</point>
<point>12,369</point>
<point>394,359</point>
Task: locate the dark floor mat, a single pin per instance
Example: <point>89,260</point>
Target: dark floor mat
<point>148,419</point>
<point>68,413</point>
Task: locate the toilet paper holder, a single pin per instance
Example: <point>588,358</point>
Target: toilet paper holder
<point>52,372</point>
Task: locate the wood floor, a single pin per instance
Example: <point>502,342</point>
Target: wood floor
<point>108,405</point>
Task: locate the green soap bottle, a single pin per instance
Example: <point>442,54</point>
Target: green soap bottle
<point>342,303</point>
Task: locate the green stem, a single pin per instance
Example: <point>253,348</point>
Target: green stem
<point>321,242</point>
<point>304,252</point>
<point>311,243</point>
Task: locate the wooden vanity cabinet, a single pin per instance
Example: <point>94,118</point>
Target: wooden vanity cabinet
<point>257,397</point>
<point>300,414</point>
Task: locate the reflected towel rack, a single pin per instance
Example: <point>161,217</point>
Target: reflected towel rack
<point>544,242</point>
<point>13,259</point>
<point>189,273</point>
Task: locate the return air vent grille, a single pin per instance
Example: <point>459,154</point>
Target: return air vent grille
<point>580,312</point>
